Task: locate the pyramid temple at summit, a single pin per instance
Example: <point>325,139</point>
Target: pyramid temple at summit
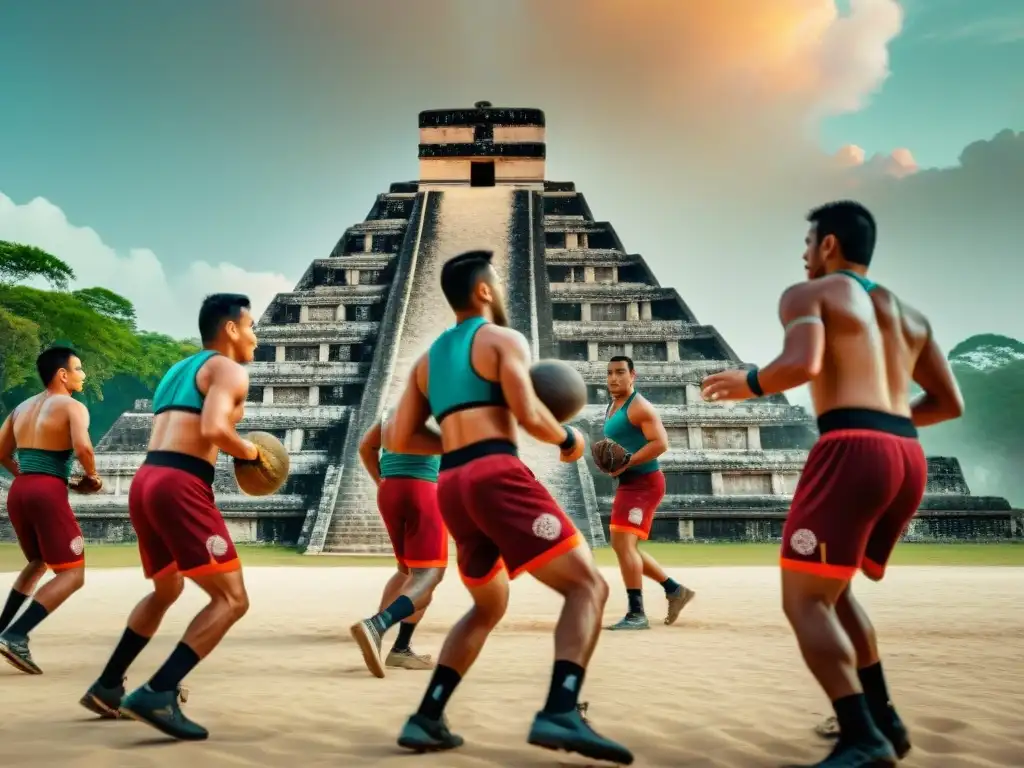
<point>336,351</point>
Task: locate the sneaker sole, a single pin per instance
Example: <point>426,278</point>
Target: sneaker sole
<point>688,595</point>
<point>420,748</point>
<point>12,659</point>
<point>614,628</point>
<point>585,749</point>
<point>139,718</point>
<point>95,705</point>
<point>371,656</point>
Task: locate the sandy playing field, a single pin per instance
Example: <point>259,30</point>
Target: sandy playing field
<point>287,688</point>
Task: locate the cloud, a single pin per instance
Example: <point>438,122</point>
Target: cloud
<point>163,302</point>
<point>897,164</point>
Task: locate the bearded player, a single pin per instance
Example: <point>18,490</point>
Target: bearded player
<point>46,432</point>
<point>631,421</point>
<point>475,381</point>
<point>860,347</point>
<point>407,501</point>
<point>180,530</point>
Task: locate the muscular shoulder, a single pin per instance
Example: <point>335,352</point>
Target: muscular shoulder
<point>225,372</point>
<point>506,340</point>
<point>641,410</point>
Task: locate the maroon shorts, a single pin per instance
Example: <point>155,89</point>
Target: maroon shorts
<point>861,486</point>
<point>636,500</point>
<point>499,514</point>
<point>176,519</point>
<point>44,523</point>
<point>413,519</point>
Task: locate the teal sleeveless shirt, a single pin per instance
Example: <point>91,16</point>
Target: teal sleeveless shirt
<point>177,390</point>
<point>452,383</point>
<point>36,461</point>
<point>409,465</point>
<point>865,283</point>
<point>618,428</point>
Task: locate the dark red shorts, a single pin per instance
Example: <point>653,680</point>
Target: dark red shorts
<point>176,519</point>
<point>861,486</point>
<point>636,500</point>
<point>499,514</point>
<point>44,523</point>
<point>409,508</point>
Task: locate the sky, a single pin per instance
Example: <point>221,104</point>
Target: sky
<point>172,148</point>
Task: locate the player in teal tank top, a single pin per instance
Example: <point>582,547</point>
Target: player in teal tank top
<point>37,442</point>
<point>407,502</point>
<point>633,423</point>
<point>475,382</point>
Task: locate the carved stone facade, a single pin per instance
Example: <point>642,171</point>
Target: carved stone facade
<point>336,351</point>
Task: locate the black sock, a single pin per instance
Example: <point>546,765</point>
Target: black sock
<point>875,691</point>
<point>442,684</point>
<point>855,723</point>
<point>127,650</point>
<point>405,630</point>
<point>181,661</point>
<point>636,601</point>
<point>399,610</point>
<point>14,602</point>
<point>670,585</point>
<point>565,688</point>
<point>29,620</point>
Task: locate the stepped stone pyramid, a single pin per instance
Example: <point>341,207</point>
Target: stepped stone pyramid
<point>336,351</point>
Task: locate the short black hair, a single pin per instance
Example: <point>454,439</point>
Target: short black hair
<point>52,360</point>
<point>623,359</point>
<point>851,224</point>
<point>217,309</point>
<point>460,274</point>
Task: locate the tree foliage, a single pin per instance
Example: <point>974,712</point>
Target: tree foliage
<point>121,363</point>
<point>19,263</point>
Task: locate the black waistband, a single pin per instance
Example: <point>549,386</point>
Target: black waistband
<point>201,468</point>
<point>865,418</point>
<point>468,453</point>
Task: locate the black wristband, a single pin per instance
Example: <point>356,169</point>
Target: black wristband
<point>569,442</point>
<point>753,383</point>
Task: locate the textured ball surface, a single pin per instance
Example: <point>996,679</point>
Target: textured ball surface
<point>266,475</point>
<point>609,456</point>
<point>560,387</point>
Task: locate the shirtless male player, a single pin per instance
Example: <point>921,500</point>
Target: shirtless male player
<point>407,502</point>
<point>859,347</point>
<point>631,421</point>
<point>475,381</point>
<point>46,431</point>
<point>180,530</point>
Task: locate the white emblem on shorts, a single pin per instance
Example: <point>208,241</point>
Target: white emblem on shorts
<point>217,546</point>
<point>803,542</point>
<point>77,545</point>
<point>636,516</point>
<point>547,526</point>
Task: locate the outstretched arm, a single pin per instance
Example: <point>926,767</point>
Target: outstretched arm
<point>941,399</point>
<point>8,446</point>
<point>407,430</point>
<point>229,384</point>
<point>369,451</point>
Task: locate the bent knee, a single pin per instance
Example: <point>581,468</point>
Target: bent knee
<point>238,602</point>
<point>590,584</point>
<point>73,577</point>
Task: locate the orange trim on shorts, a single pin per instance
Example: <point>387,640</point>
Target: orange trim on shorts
<point>546,557</point>
<point>872,570</point>
<point>66,566</point>
<point>214,567</point>
<point>638,532</point>
<point>842,572</point>
<point>425,563</point>
<point>469,581</point>
<point>163,573</point>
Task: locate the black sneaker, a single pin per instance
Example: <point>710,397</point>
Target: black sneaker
<point>15,651</point>
<point>163,712</point>
<point>631,621</point>
<point>103,701</point>
<point>570,732</point>
<point>421,734</point>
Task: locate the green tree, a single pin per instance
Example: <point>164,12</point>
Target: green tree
<point>19,344</point>
<point>23,262</point>
<point>108,304</point>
